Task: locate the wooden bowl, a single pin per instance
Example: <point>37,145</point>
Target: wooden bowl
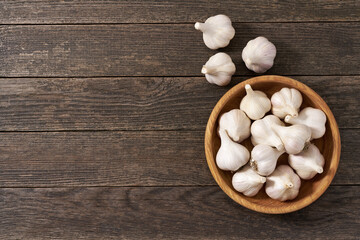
<point>329,145</point>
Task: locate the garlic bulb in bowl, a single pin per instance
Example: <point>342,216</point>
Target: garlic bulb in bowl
<point>264,158</point>
<point>307,163</point>
<point>259,54</point>
<point>262,132</point>
<point>231,156</point>
<point>236,124</point>
<point>286,102</point>
<point>283,184</point>
<point>314,118</point>
<point>255,104</point>
<point>219,69</point>
<point>247,181</point>
<point>217,31</point>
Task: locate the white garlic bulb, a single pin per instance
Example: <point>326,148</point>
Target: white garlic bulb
<point>286,102</point>
<point>262,132</point>
<point>314,118</point>
<point>259,54</point>
<point>231,156</point>
<point>264,158</point>
<point>308,162</point>
<point>236,124</point>
<point>295,138</point>
<point>255,104</point>
<point>247,181</point>
<point>283,184</point>
<point>217,31</point>
<point>219,69</point>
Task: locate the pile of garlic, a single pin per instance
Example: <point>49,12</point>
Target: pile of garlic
<point>271,139</point>
<point>258,54</point>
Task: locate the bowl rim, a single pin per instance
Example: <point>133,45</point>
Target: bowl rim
<point>236,195</point>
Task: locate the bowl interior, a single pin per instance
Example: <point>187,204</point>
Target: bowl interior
<point>329,146</point>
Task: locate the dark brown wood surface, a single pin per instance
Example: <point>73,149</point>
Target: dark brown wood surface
<point>103,111</point>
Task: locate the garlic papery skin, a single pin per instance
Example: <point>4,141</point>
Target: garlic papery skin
<point>219,69</point>
<point>264,158</point>
<point>217,31</point>
<point>259,54</point>
<point>247,181</point>
<point>236,124</point>
<point>255,104</point>
<point>231,156</point>
<point>283,184</point>
<point>263,133</point>
<point>308,162</point>
<point>295,138</point>
<point>314,118</point>
<point>286,102</point>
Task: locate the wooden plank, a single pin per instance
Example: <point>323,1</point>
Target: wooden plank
<point>168,213</point>
<point>171,49</point>
<point>144,158</point>
<point>28,104</point>
<point>50,12</point>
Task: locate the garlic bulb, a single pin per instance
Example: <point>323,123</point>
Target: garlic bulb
<point>219,69</point>
<point>286,102</point>
<point>247,181</point>
<point>307,163</point>
<point>259,54</point>
<point>231,156</point>
<point>217,31</point>
<point>295,138</point>
<point>264,158</point>
<point>314,118</point>
<point>262,132</point>
<point>283,184</point>
<point>236,124</point>
<point>255,104</point>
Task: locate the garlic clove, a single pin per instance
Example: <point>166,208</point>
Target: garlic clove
<point>286,102</point>
<point>255,104</point>
<point>236,124</point>
<point>231,156</point>
<point>313,118</point>
<point>259,54</point>
<point>295,138</point>
<point>219,69</point>
<point>308,162</point>
<point>247,181</point>
<point>217,31</point>
<point>264,158</point>
<point>263,133</point>
<point>283,184</point>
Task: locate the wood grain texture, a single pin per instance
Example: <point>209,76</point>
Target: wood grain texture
<point>53,12</point>
<point>144,158</point>
<point>168,213</point>
<point>171,49</point>
<point>156,103</point>
<point>329,146</point>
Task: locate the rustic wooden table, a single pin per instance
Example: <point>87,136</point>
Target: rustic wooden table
<point>103,111</point>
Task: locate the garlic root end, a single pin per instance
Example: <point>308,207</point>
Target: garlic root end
<point>289,185</point>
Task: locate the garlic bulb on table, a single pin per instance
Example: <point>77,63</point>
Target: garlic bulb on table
<point>217,31</point>
<point>259,54</point>
<point>314,118</point>
<point>264,158</point>
<point>219,69</point>
<point>286,102</point>
<point>308,162</point>
<point>255,104</point>
<point>247,181</point>
<point>283,184</point>
<point>236,124</point>
<point>295,138</point>
<point>262,132</point>
<point>231,156</point>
